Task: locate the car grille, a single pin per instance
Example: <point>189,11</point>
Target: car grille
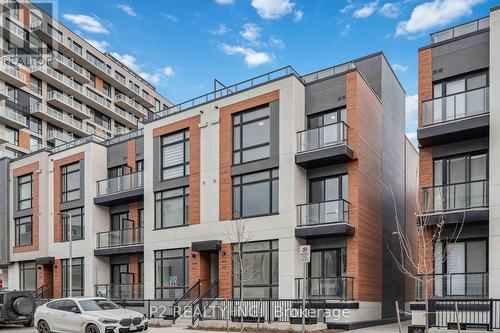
<point>126,322</point>
<point>137,321</point>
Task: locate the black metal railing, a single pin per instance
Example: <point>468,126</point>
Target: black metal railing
<point>42,292</point>
<point>333,211</point>
<point>321,137</point>
<point>129,291</point>
<point>117,238</point>
<point>200,305</point>
<point>455,106</point>
<point>339,288</point>
<point>181,304</point>
<point>480,314</point>
<point>120,184</point>
<point>453,285</point>
<point>456,196</point>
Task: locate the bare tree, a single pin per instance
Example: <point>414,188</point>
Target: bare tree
<point>415,247</point>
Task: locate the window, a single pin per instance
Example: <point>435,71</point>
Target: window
<point>35,143</point>
<point>456,86</point>
<point>120,221</point>
<point>328,189</point>
<point>100,119</point>
<point>251,135</point>
<point>13,9</point>
<point>120,273</point>
<point>35,20</point>
<point>35,125</point>
<point>12,153</point>
<point>260,270</point>
<point>12,135</point>
<point>24,231</point>
<point>139,165</point>
<point>175,155</point>
<point>27,275</point>
<point>77,230</point>
<point>326,118</point>
<point>256,194</point>
<point>106,88</point>
<point>78,269</point>
<point>13,93</point>
<point>70,182</point>
<point>35,85</point>
<point>119,171</point>
<point>171,273</point>
<point>157,105</point>
<point>325,266</point>
<point>120,77</point>
<point>171,208</point>
<point>24,191</point>
<point>141,217</point>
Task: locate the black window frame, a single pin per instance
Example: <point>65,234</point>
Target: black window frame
<point>77,263</point>
<point>464,77</point>
<point>341,178</point>
<point>15,131</point>
<point>35,124</point>
<point>22,274</point>
<point>341,114</point>
<point>22,181</point>
<point>64,176</point>
<point>160,198</point>
<point>160,255</point>
<point>445,167</point>
<point>18,223</point>
<point>81,215</point>
<point>185,150</point>
<point>237,183</point>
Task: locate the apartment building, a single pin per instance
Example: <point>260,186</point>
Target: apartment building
<point>55,87</point>
<point>459,74</point>
<point>318,159</point>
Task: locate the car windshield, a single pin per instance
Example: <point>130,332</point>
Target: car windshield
<point>97,305</point>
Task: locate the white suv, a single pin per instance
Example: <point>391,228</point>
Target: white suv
<point>87,315</point>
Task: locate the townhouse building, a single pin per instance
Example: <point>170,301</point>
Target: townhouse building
<point>318,159</point>
<point>56,87</point>
<point>458,114</point>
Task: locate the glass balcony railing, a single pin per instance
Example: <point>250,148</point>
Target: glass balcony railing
<point>321,137</point>
<point>70,64</point>
<point>68,100</point>
<point>12,71</point>
<point>120,184</point>
<point>56,114</point>
<point>130,101</point>
<point>117,238</point>
<point>7,112</point>
<point>57,135</point>
<point>342,68</point>
<point>338,287</point>
<point>334,211</point>
<point>460,30</point>
<point>472,285</point>
<point>457,196</point>
<point>120,291</point>
<point>457,106</point>
<point>73,47</point>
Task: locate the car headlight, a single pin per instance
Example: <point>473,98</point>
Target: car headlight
<point>107,321</point>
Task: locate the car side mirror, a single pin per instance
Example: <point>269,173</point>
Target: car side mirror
<point>75,310</point>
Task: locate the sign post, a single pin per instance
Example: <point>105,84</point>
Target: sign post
<point>305,257</point>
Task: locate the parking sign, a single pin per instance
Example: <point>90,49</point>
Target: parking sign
<point>305,253</point>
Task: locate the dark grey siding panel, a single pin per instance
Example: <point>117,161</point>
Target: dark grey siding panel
<point>117,154</point>
<point>325,95</point>
<point>80,202</point>
<point>461,56</point>
<point>139,148</point>
<point>371,69</point>
<point>461,147</point>
<point>4,212</point>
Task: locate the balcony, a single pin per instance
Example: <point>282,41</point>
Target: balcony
<point>455,117</point>
<point>120,291</point>
<point>46,33</point>
<point>321,219</point>
<point>69,67</point>
<point>120,242</point>
<point>4,94</point>
<point>323,146</point>
<point>12,75</point>
<point>332,288</point>
<point>55,137</point>
<point>14,31</point>
<point>119,190</point>
<point>67,103</point>
<point>130,105</point>
<point>455,203</point>
<point>96,100</point>
<point>57,79</point>
<point>101,66</point>
<point>453,285</point>
<point>58,118</point>
<point>13,118</point>
<point>4,48</point>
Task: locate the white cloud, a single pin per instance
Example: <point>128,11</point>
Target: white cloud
<point>390,9</point>
<point>168,71</point>
<point>298,15</point>
<point>224,2</point>
<point>347,8</point>
<point>272,9</point>
<point>345,30</point>
<point>252,58</point>
<point>276,42</point>
<point>400,68</point>
<point>367,10</point>
<point>433,14</point>
<point>99,44</point>
<point>86,23</point>
<point>128,60</point>
<point>251,32</point>
<point>127,10</point>
<point>154,77</point>
<point>171,18</point>
<point>222,29</point>
<point>411,108</point>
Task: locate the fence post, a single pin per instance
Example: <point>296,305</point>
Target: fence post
<point>149,309</point>
<point>269,320</point>
<point>492,318</point>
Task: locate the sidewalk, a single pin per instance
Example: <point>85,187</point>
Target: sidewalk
<point>390,328</point>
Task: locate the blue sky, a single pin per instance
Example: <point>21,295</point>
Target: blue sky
<point>182,45</point>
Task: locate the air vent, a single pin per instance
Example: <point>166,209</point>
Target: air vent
<point>340,98</point>
<point>437,71</point>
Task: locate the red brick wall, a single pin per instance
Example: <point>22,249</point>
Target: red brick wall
<point>57,285</point>
<point>57,191</point>
<point>131,155</point>
<point>194,161</point>
<point>134,266</point>
<point>226,271</point>
<point>424,79</point>
<point>226,149</point>
<point>45,277</point>
<point>24,139</point>
<point>31,168</point>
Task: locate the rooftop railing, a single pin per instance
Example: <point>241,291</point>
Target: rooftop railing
<point>321,137</point>
<point>77,142</point>
<point>335,70</point>
<point>124,137</point>
<point>460,30</point>
<point>456,106</point>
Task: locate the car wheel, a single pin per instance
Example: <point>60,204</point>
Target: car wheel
<point>43,327</point>
<point>91,328</point>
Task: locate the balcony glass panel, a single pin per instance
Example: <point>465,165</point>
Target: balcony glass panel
<point>120,184</point>
<point>340,287</point>
<point>120,291</point>
<point>316,138</point>
<point>334,211</point>
<point>119,238</point>
<point>472,285</point>
<point>456,196</point>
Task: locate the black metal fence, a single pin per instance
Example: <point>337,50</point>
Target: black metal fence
<point>472,313</point>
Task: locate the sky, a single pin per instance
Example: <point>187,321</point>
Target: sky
<point>181,46</point>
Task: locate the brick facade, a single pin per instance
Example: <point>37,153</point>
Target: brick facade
<point>24,139</point>
<point>226,271</point>
<point>57,285</point>
<point>424,79</point>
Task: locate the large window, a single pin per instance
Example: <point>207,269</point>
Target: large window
<point>251,135</point>
<point>27,275</point>
<point>78,270</point>
<point>171,273</point>
<point>77,218</point>
<point>12,135</point>
<point>326,118</point>
<point>256,194</point>
<point>25,192</point>
<point>120,221</point>
<point>171,208</point>
<point>70,182</point>
<point>24,231</point>
<point>328,189</point>
<point>260,270</point>
<point>119,171</point>
<point>175,155</point>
